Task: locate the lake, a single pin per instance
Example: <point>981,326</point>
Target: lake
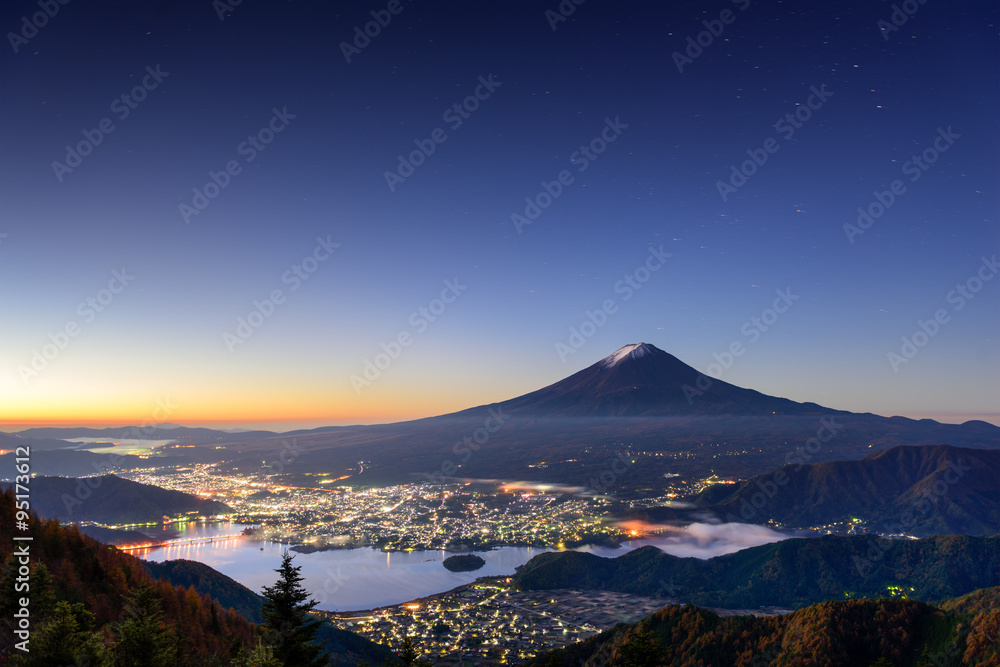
<point>355,579</point>
<point>344,579</point>
<point>124,446</point>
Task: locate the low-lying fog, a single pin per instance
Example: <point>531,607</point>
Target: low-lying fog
<point>706,540</point>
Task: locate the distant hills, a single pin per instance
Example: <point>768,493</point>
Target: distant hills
<point>929,490</point>
<point>111,500</point>
<point>206,580</point>
<point>855,633</point>
<point>11,442</point>
<point>116,537</point>
<point>793,573</point>
<point>157,432</point>
<point>72,463</point>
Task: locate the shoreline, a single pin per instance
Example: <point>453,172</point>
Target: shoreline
<point>451,548</point>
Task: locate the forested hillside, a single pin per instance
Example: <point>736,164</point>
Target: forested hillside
<point>854,633</point>
<point>95,605</point>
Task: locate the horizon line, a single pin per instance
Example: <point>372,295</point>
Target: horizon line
<point>14,426</point>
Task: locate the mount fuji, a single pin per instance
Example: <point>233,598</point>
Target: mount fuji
<point>641,380</point>
<point>638,399</point>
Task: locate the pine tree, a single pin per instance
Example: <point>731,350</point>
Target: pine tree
<point>65,639</point>
<point>290,631</point>
<point>257,654</point>
<point>141,638</point>
<point>43,600</point>
<point>409,654</point>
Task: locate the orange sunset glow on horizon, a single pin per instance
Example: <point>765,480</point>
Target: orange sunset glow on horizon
<point>279,413</point>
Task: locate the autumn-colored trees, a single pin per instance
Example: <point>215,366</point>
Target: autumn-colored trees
<point>92,602</point>
<point>867,633</point>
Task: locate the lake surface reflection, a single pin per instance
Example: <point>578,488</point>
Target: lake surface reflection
<point>344,579</point>
<point>354,579</point>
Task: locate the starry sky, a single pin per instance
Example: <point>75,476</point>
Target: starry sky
<point>288,214</point>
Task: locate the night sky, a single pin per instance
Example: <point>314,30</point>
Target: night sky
<point>224,216</point>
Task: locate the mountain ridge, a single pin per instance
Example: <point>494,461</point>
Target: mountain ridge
<point>792,573</point>
<point>112,500</point>
<point>919,490</point>
<point>829,634</point>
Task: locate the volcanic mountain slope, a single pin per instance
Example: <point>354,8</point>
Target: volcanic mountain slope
<point>641,380</point>
<point>636,399</point>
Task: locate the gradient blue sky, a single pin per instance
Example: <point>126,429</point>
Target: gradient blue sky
<point>162,337</point>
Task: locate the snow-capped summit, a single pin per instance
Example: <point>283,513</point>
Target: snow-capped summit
<point>642,380</point>
<point>633,351</point>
